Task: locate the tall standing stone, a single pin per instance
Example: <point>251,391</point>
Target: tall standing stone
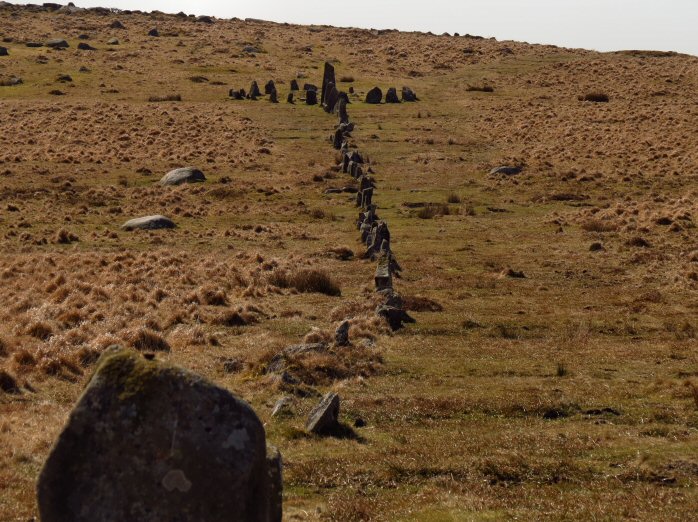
<point>374,96</point>
<point>148,441</point>
<point>327,78</point>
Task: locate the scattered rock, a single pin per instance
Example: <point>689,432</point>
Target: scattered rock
<point>596,247</point>
<point>164,444</point>
<point>204,19</point>
<point>57,43</point>
<point>153,32</point>
<point>183,175</point>
<point>359,423</point>
<point>113,41</point>
<point>374,96</point>
<point>149,223</point>
<point>391,96</point>
<point>116,24</point>
<point>516,274</point>
<point>64,78</point>
<point>34,44</point>
<point>86,47</point>
<point>324,418</point>
<point>3,51</point>
<point>294,85</point>
<point>310,87</point>
<point>56,92</point>
<point>289,98</point>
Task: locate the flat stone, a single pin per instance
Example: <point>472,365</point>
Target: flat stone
<point>183,175</point>
<point>325,416</point>
<point>57,43</point>
<point>506,170</point>
<point>148,223</point>
<point>148,441</point>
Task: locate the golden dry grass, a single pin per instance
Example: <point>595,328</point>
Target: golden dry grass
<point>565,394</point>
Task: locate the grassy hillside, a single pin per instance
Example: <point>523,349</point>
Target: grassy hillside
<point>552,372</point>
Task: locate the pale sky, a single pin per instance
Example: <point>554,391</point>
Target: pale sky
<point>604,25</point>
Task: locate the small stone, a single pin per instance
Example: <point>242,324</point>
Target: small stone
<point>289,98</point>
<point>154,32</point>
<point>391,96</point>
<point>294,85</point>
<point>3,51</point>
<point>596,247</point>
<point>116,24</point>
<point>359,423</point>
<point>325,416</point>
<point>341,334</point>
<point>86,47</point>
<point>374,96</point>
<point>183,175</point>
<point>57,43</point>
<point>149,223</point>
<point>506,170</point>
<point>282,408</point>
<point>113,41</point>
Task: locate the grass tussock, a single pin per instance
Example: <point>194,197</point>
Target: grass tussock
<point>307,280</point>
<point>479,88</point>
<point>417,303</point>
<point>346,79</point>
<point>596,97</point>
<point>432,210</point>
<point>600,226</point>
<point>146,340</point>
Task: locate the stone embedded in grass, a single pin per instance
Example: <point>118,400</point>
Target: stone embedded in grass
<point>116,24</point>
<point>311,97</point>
<point>183,175</point>
<point>154,32</point>
<point>374,96</point>
<point>3,51</point>
<point>283,407</point>
<point>86,47</point>
<point>148,441</point>
<point>149,223</point>
<point>506,170</point>
<point>324,418</point>
<point>113,41</point>
<point>57,43</point>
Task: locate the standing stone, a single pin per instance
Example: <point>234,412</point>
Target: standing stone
<point>183,175</point>
<point>294,85</point>
<point>327,78</point>
<point>338,138</point>
<point>254,91</point>
<point>391,96</point>
<point>408,95</point>
<point>342,109</point>
<point>154,32</point>
<point>269,87</point>
<point>325,416</point>
<point>341,334</point>
<point>3,51</point>
<point>86,47</point>
<point>148,441</point>
<point>311,97</point>
<point>273,97</point>
<point>275,476</point>
<point>374,96</point>
<point>116,24</point>
<point>384,277</point>
<point>310,87</point>
<point>289,98</point>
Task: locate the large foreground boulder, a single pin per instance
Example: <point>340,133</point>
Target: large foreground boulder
<point>149,223</point>
<point>183,175</point>
<point>148,442</point>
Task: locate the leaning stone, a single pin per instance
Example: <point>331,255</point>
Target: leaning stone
<point>148,223</point>
<point>282,408</point>
<point>57,43</point>
<point>325,416</point>
<point>148,441</point>
<point>341,334</point>
<point>374,96</point>
<point>183,175</point>
<point>391,96</point>
<point>508,171</point>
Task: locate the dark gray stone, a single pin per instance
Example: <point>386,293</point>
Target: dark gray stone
<point>374,96</point>
<point>85,47</point>
<point>148,441</point>
<point>391,96</point>
<point>506,170</point>
<point>311,97</point>
<point>149,223</point>
<point>116,24</point>
<point>57,43</point>
<point>310,87</point>
<point>276,484</point>
<point>325,416</point>
<point>269,87</point>
<point>327,78</point>
<point>3,51</point>
<point>408,95</point>
<point>183,175</point>
<point>154,32</point>
<point>294,85</point>
<point>254,92</point>
<point>289,98</point>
